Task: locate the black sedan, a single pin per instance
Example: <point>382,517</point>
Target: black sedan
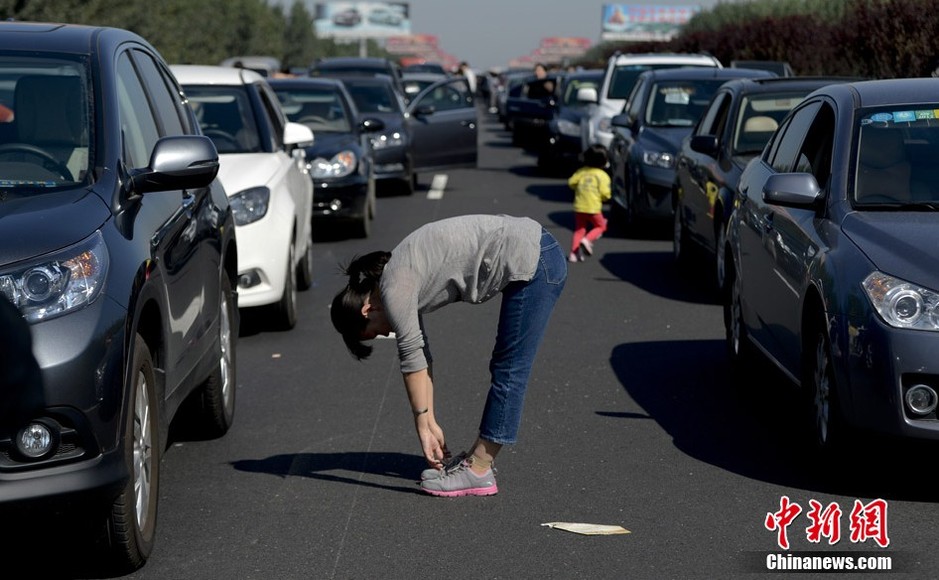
<point>661,110</point>
<point>832,258</point>
<point>436,130</point>
<point>117,247</point>
<point>340,158</point>
<point>733,130</point>
<point>561,148</point>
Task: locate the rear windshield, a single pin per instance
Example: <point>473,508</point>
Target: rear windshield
<point>624,78</point>
<point>679,103</point>
<point>321,110</point>
<point>758,118</point>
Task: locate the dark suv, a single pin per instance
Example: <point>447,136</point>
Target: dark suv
<point>117,247</point>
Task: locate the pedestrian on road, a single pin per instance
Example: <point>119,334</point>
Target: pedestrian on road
<point>591,185</point>
<point>470,259</point>
<point>470,75</point>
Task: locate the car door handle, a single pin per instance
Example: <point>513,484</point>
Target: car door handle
<point>470,124</point>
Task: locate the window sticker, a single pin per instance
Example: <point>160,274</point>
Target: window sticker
<point>26,183</point>
<point>904,116</point>
<point>882,118</point>
<point>677,95</point>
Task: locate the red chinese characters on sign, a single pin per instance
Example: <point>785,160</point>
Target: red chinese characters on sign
<point>779,521</point>
<point>867,522</point>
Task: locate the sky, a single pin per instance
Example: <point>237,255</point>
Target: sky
<point>489,33</point>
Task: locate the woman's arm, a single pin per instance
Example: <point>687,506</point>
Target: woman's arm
<point>420,388</point>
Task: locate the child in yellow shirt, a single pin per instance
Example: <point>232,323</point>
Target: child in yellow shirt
<point>591,185</point>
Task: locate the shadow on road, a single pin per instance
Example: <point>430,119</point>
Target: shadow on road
<point>348,468</point>
<point>757,430</point>
<point>657,273</point>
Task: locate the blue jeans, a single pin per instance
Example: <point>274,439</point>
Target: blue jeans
<point>523,318</point>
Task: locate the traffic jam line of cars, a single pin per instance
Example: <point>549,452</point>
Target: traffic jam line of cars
<point>145,207</point>
<point>812,202</point>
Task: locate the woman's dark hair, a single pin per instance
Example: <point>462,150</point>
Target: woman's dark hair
<point>596,156</point>
<point>346,312</point>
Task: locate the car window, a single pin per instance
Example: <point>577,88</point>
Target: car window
<point>226,117</point>
<point>168,115</point>
<point>138,126</point>
<point>322,110</point>
<point>45,123</point>
<point>569,97</point>
<point>679,103</point>
<point>373,98</point>
<point>714,119</point>
<point>896,156</point>
<point>633,105</point>
<point>785,153</point>
<point>624,77</point>
<point>447,97</point>
<point>759,116</point>
<point>274,113</point>
<point>816,153</point>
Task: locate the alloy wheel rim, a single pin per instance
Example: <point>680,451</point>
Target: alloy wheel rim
<point>226,359</point>
<point>822,393</point>
<point>143,450</point>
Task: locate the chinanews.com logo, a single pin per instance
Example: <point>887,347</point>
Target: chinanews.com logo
<point>862,523</point>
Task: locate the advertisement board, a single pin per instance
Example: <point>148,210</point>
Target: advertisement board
<point>356,20</point>
<point>630,22</point>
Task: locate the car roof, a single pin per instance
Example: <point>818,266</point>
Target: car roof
<point>703,72</point>
<point>375,61</point>
<point>330,82</point>
<point>59,37</point>
<point>664,58</point>
<point>873,93</point>
<point>776,84</point>
<point>203,74</point>
<point>367,80</point>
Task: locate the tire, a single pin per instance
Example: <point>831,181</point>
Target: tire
<point>305,267</point>
<point>829,431</point>
<point>720,257</point>
<point>286,309</point>
<point>217,411</point>
<point>739,350</point>
<point>680,245</point>
<point>132,519</point>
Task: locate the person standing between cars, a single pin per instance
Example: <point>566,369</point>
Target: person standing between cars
<point>470,75</point>
<point>20,377</point>
<point>591,185</point>
<point>471,259</point>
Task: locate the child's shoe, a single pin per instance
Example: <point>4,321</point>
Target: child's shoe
<point>587,245</point>
<point>574,257</point>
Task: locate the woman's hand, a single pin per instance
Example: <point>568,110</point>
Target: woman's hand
<point>433,442</point>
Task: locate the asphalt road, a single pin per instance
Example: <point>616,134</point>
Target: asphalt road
<point>631,420</point>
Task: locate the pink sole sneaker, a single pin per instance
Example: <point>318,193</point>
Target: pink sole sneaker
<point>461,480</point>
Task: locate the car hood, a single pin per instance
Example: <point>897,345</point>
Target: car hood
<point>664,138</point>
<point>239,171</point>
<point>32,226</point>
<point>327,145</point>
<point>901,244</point>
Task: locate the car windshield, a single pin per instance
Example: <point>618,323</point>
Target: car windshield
<point>226,117</point>
<point>758,117</point>
<point>624,78</point>
<point>373,97</point>
<point>679,103</point>
<point>896,155</point>
<point>319,109</point>
<point>574,85</point>
<point>45,127</point>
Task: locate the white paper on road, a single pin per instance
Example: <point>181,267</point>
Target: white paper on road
<point>587,529</point>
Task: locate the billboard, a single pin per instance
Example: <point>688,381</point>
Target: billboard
<point>629,22</point>
<point>355,20</point>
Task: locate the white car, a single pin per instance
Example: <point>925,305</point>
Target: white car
<point>264,172</point>
<point>618,81</point>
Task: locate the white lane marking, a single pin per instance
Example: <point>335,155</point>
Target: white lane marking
<point>437,186</point>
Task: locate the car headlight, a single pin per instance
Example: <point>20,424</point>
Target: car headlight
<point>568,128</point>
<point>342,164</point>
<point>605,124</point>
<point>902,304</point>
<point>385,140</point>
<point>58,283</point>
<point>661,159</point>
<point>250,205</point>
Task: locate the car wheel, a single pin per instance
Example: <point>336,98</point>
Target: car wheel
<point>363,225</point>
<point>286,308</point>
<point>305,267</point>
<point>132,519</point>
<point>739,349</point>
<point>720,260</point>
<point>828,429</point>
<point>680,245</point>
<point>218,391</point>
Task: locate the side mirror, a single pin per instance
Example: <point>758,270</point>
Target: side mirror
<point>177,162</point>
<point>587,95</point>
<point>424,111</point>
<point>372,125</point>
<point>705,144</point>
<point>621,120</point>
<point>297,134</point>
<point>798,190</point>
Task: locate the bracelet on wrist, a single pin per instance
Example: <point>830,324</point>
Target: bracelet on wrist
<point>420,411</point>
